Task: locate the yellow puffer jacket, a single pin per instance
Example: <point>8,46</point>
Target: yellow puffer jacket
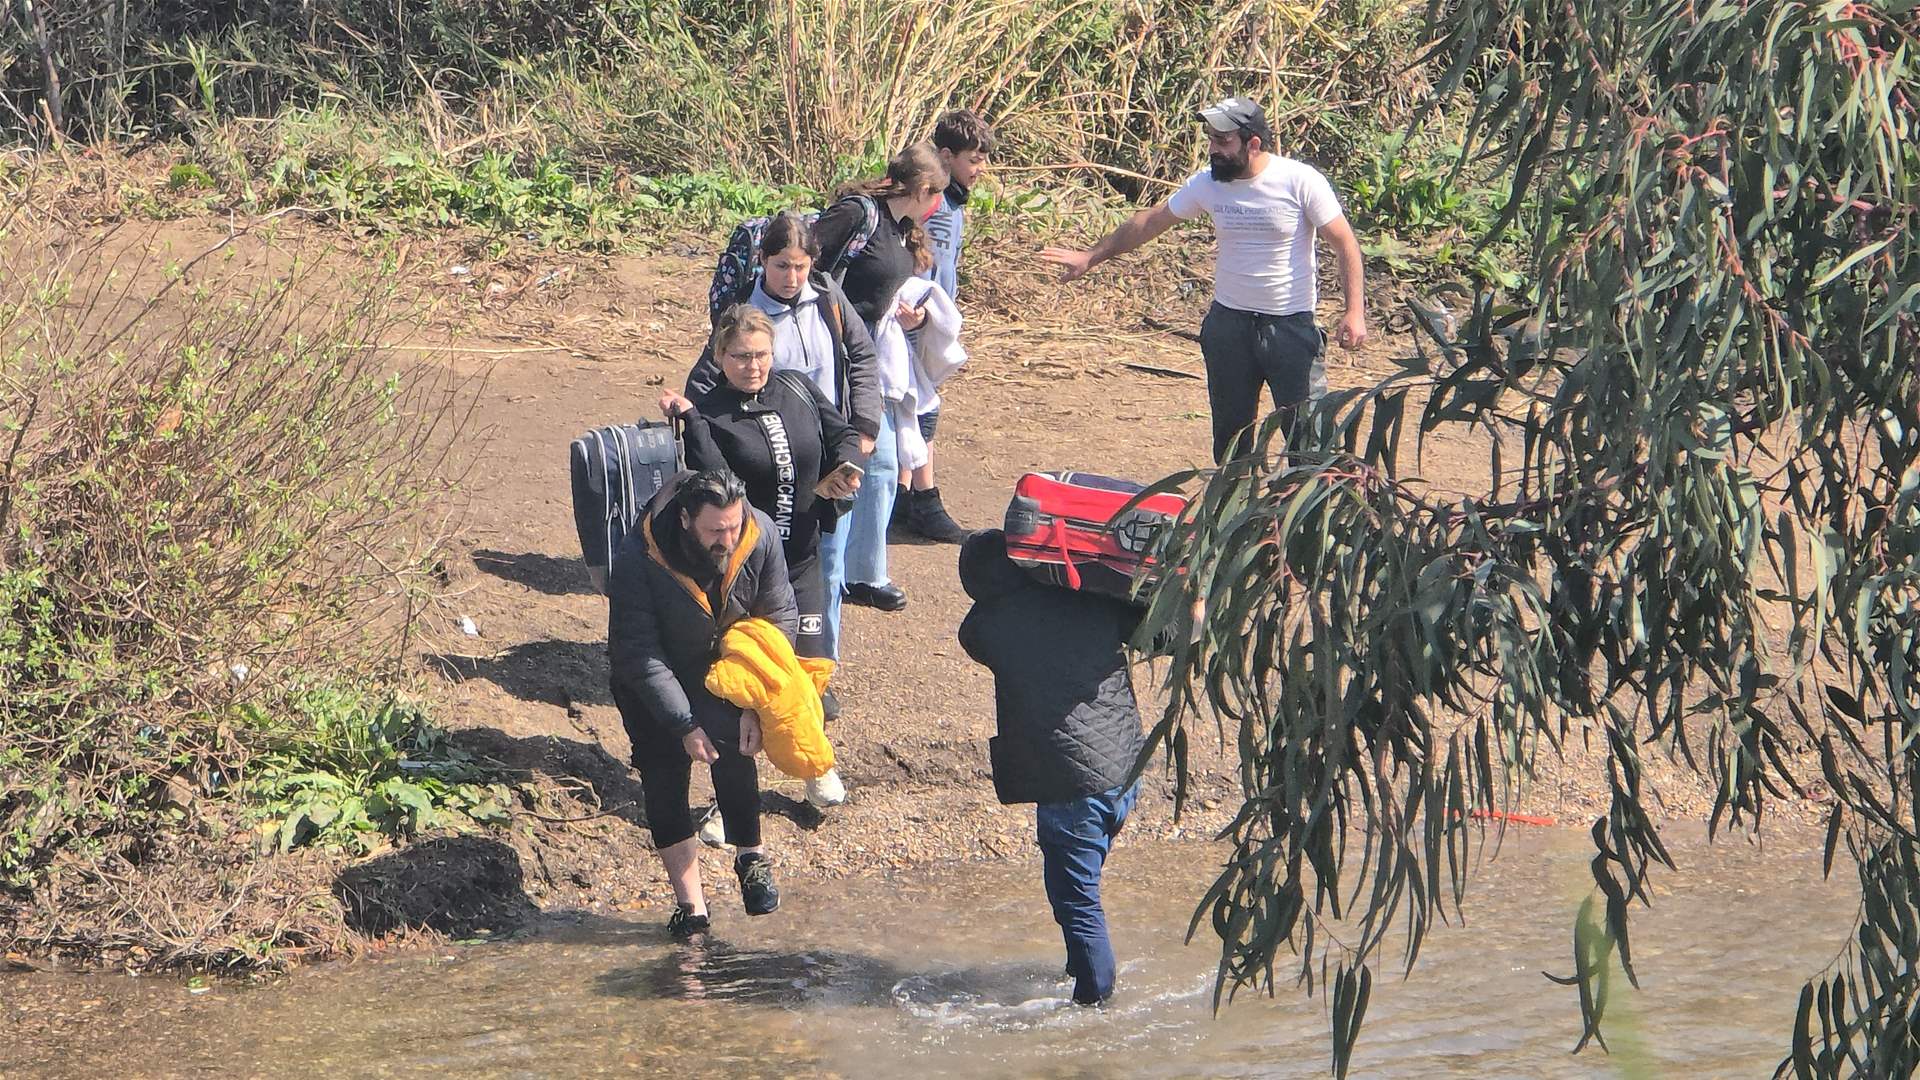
<point>757,670</point>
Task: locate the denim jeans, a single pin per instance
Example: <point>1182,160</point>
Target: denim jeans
<point>833,575</point>
<point>1075,837</point>
<point>883,472</point>
<point>866,527</point>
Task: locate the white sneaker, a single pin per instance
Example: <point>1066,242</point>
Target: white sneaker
<point>827,790</point>
<point>713,832</point>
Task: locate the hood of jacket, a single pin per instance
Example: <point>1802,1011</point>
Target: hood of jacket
<point>985,570</point>
<point>814,288</point>
<point>662,532</point>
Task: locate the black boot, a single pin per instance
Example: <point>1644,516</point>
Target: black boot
<point>929,518</point>
<point>900,523</point>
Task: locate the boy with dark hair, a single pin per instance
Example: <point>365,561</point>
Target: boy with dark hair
<point>1069,732</point>
<point>965,142</point>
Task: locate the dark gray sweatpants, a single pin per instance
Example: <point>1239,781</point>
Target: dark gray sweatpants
<point>1245,350</point>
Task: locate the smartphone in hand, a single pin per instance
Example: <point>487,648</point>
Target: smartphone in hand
<point>845,471</point>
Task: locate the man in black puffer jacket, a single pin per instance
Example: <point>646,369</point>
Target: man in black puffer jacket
<point>1069,732</point>
<point>702,560</point>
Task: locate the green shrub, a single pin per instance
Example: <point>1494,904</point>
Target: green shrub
<point>354,770</point>
<point>198,500</point>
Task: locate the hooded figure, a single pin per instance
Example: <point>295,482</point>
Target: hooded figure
<point>1069,732</point>
<point>1063,693</point>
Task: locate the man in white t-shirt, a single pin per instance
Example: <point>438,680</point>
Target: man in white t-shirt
<point>1267,211</point>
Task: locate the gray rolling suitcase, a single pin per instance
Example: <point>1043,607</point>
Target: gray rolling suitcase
<point>616,472</point>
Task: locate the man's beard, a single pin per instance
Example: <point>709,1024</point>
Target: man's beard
<point>708,560</point>
<point>1225,168</point>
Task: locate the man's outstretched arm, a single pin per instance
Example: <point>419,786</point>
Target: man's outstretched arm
<point>1133,233</point>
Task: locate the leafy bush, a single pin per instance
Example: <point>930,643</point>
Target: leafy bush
<point>1424,216</point>
<point>196,499</point>
<point>354,771</point>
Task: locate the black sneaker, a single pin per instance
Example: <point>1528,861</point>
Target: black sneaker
<point>885,597</point>
<point>683,924</point>
<point>829,706</point>
<point>758,894</point>
<point>928,518</point>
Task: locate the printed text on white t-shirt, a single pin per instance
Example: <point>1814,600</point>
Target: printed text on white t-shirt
<point>1265,226</point>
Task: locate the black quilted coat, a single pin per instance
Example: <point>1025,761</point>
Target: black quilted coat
<point>1068,721</point>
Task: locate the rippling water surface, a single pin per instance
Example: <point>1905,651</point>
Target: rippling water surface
<point>956,972</point>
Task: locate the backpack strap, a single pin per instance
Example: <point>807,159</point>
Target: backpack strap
<point>796,382</point>
<point>835,318</point>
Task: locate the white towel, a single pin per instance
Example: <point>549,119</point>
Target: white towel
<point>912,367</point>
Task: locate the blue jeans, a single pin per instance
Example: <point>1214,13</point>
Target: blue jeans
<point>866,527</point>
<point>833,574</point>
<point>883,473</point>
<point>1074,839</point>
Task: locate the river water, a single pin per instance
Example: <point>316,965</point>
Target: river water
<point>956,972</point>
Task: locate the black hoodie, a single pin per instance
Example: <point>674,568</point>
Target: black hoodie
<point>1068,722</point>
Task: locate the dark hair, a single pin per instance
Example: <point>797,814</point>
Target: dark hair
<point>910,172</point>
<point>962,130</point>
<point>789,229</point>
<point>1261,128</point>
<point>710,487</point>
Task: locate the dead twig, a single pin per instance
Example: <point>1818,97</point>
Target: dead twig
<point>1156,369</point>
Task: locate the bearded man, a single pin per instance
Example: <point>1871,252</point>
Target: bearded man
<point>1267,211</point>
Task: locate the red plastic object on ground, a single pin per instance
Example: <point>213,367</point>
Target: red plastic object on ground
<point>1066,529</point>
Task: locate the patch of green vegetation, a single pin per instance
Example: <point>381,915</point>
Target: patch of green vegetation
<point>186,175</point>
<point>350,770</point>
<point>549,200</point>
<point>1424,219</point>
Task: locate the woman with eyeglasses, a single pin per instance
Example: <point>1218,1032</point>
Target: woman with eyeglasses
<point>794,451</point>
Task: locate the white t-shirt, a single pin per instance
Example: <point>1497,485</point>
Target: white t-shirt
<point>1265,226</point>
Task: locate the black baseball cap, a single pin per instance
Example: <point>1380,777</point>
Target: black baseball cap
<point>1229,115</point>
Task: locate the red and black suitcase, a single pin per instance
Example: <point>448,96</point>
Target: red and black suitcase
<point>1066,529</point>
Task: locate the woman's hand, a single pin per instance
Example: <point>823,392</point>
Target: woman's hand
<point>838,485</point>
<point>749,732</point>
<point>673,404</point>
<point>910,317</point>
<point>700,748</point>
<point>867,444</point>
